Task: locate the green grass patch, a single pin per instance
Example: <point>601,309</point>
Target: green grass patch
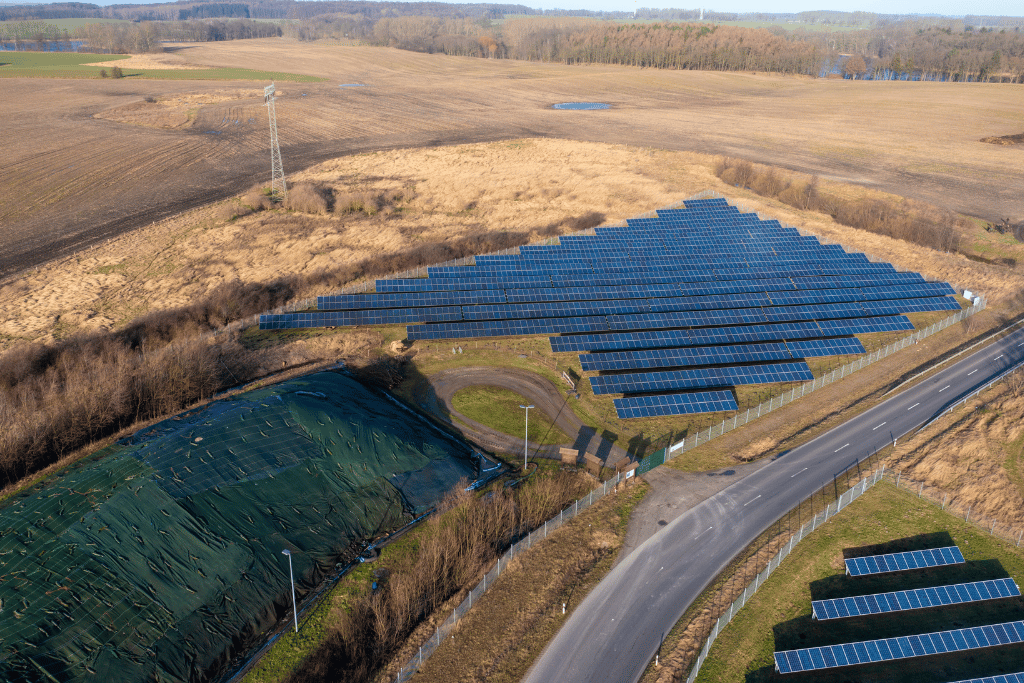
<point>74,65</point>
<point>499,409</point>
<point>778,617</point>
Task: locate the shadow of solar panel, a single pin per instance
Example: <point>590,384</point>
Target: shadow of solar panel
<point>894,562</point>
<point>887,649</point>
<point>682,357</point>
<point>920,598</point>
<point>638,383</point>
<point>674,404</point>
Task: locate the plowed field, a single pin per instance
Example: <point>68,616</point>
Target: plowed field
<point>70,178</point>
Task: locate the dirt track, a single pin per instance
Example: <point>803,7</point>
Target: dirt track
<point>542,393</point>
<point>70,179</point>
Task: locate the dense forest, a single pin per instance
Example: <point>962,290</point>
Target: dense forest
<point>857,45</point>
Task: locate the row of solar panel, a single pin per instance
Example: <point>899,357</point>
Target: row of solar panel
<point>597,322</point>
<point>697,262</point>
<point>659,239</point>
<point>589,301</point>
<point>642,383</point>
<point>659,339</point>
<point>672,267</point>
<point>903,647</point>
<point>920,598</point>
<point>897,562</point>
<point>723,254</point>
<point>998,678</point>
<point>718,355</point>
<point>662,244</point>
<point>674,404</point>
<point>547,292</point>
<point>641,275</point>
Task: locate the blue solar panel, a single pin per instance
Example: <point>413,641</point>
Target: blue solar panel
<point>914,599</point>
<point>914,559</point>
<point>409,299</point>
<point>998,678</point>
<point>674,404</point>
<point>687,356</point>
<point>623,341</point>
<point>636,383</point>
<point>389,316</point>
<point>888,649</point>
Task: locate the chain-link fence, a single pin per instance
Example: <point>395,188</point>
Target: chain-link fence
<point>958,508</point>
<point>702,437</point>
<point>830,510</point>
<point>538,535</point>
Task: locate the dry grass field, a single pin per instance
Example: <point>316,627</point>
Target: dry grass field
<point>72,177</point>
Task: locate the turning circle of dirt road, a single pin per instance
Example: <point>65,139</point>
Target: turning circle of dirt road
<point>539,391</point>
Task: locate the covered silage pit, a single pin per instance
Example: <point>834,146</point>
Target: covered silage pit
<point>159,558</point>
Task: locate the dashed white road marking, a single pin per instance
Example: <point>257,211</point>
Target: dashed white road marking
<point>972,372</point>
<point>881,425</point>
<point>752,500</point>
<point>841,447</point>
<point>944,388</point>
<point>913,406</point>
<point>793,475</point>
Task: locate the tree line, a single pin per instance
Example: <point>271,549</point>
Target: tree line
<point>905,50</point>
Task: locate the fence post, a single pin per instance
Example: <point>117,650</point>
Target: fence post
<point>968,517</point>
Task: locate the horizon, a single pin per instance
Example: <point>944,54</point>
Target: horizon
<point>946,9</point>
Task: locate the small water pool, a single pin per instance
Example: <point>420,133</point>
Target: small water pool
<point>352,85</point>
<point>581,105</point>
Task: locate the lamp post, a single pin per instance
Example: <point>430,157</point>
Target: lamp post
<point>526,441</point>
<point>295,610</point>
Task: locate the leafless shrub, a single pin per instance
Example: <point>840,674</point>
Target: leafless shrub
<point>1015,383</point>
<point>455,548</point>
<point>307,198</point>
<point>905,219</point>
<point>257,199</point>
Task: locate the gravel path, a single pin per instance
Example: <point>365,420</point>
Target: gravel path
<point>540,392</point>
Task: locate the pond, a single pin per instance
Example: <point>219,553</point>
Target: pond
<point>581,105</point>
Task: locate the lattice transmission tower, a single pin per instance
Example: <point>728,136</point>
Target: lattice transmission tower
<point>278,189</point>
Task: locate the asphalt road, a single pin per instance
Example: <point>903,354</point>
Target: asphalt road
<point>615,632</point>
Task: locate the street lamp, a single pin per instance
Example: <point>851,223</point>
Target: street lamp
<point>295,610</point>
<point>526,441</point>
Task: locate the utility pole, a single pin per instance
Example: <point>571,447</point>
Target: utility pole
<point>278,190</point>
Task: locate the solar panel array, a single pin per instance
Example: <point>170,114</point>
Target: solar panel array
<point>898,562</point>
<point>705,290</point>
<point>998,678</point>
<point>920,598</point>
<point>903,647</point>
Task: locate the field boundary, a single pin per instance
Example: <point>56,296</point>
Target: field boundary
<point>830,511</point>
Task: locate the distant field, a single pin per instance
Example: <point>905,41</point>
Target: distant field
<point>778,616</point>
<point>82,65</point>
<point>791,26</point>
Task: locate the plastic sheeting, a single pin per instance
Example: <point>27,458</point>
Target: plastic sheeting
<point>159,558</point>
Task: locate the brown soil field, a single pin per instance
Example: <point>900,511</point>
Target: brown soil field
<point>72,178</point>
<point>445,193</point>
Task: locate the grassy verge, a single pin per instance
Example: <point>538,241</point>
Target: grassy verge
<point>503,634</point>
<point>778,617</point>
<point>499,409</point>
<point>75,65</point>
